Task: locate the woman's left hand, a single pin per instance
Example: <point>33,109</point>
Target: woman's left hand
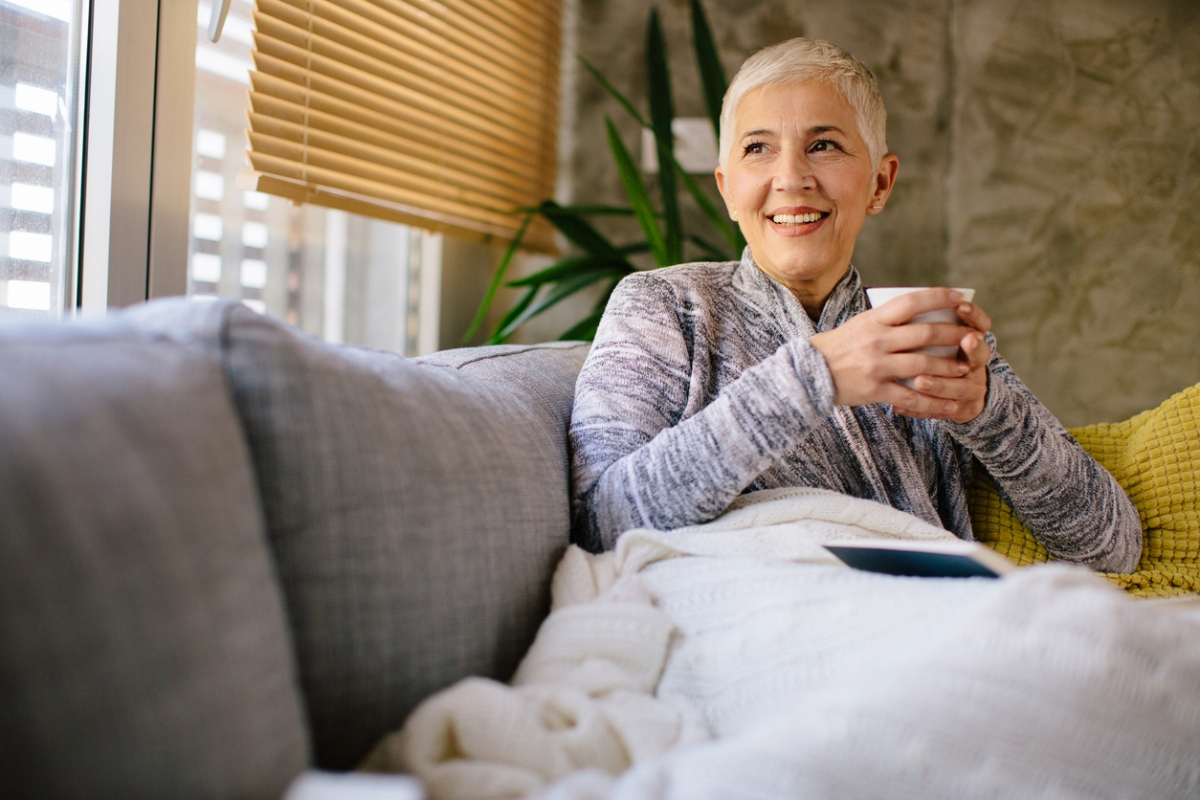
<point>969,392</point>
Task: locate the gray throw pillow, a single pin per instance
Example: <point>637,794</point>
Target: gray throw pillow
<point>416,510</point>
<point>143,647</point>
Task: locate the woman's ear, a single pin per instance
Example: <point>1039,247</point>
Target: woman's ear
<point>720,175</point>
<point>885,179</point>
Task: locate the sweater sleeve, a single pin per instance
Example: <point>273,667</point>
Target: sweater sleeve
<point>1065,497</point>
<point>636,460</point>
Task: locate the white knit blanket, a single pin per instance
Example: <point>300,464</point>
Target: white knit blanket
<point>737,659</point>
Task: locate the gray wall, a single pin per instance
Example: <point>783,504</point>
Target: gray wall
<point>1074,189</point>
<point>1048,154</point>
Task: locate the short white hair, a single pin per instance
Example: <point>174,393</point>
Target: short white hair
<point>799,60</point>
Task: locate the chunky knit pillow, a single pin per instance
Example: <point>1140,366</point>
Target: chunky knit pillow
<point>1156,457</point>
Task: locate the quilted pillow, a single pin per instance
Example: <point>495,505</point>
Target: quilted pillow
<point>1155,456</point>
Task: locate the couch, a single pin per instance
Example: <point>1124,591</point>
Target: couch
<point>230,552</point>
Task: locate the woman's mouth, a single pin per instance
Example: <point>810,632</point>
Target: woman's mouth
<point>799,219</point>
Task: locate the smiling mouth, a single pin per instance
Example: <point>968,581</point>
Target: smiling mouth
<point>799,219</point>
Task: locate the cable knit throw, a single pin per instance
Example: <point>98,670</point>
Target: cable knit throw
<point>701,385</point>
<point>733,659</point>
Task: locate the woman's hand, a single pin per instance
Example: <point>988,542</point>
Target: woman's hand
<point>868,354</point>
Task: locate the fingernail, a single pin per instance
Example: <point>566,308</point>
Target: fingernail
<point>956,297</point>
<point>965,308</point>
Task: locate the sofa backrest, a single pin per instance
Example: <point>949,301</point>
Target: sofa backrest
<point>416,509</point>
<point>144,651</point>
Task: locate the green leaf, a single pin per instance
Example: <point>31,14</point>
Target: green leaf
<point>708,247</point>
<point>498,336</point>
<point>602,301</point>
<point>557,294</point>
<point>731,232</point>
<point>569,266</point>
<point>612,90</point>
<point>599,211</point>
<point>662,112</point>
<point>712,72</point>
<point>578,230</point>
<point>635,190</point>
<point>501,268</point>
<point>584,330</point>
<point>564,289</point>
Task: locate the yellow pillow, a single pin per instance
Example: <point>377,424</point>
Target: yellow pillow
<point>1156,457</point>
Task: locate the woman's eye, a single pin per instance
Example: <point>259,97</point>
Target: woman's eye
<point>824,145</point>
<point>754,148</point>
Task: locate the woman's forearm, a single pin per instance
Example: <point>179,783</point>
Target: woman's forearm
<point>1070,502</point>
<point>638,464</point>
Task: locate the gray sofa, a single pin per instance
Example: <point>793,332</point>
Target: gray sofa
<point>229,552</point>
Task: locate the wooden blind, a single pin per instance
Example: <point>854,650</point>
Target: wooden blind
<point>441,114</point>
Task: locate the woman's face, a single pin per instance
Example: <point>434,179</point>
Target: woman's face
<point>800,182</point>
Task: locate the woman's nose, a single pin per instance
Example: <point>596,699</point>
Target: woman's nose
<point>795,174</point>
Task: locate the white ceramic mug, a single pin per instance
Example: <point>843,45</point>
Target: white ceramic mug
<point>880,295</point>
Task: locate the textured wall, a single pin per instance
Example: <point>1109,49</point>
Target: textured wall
<point>1075,194</point>
<point>1047,157</point>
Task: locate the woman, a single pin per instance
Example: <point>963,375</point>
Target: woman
<point>709,380</point>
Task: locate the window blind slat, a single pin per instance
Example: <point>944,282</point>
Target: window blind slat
<point>522,9</point>
<point>506,19</point>
<point>407,170</point>
<point>440,113</point>
<point>289,167</point>
<point>422,141</point>
<point>484,120</point>
<point>428,31</point>
<point>284,119</point>
<point>311,155</point>
<point>465,95</point>
<point>446,130</point>
<point>539,236</point>
<point>400,49</point>
<point>447,17</point>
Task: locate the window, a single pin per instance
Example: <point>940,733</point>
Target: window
<point>39,120</point>
<point>171,205</point>
<point>337,275</point>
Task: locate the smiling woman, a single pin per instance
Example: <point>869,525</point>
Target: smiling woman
<point>710,380</point>
<point>796,144</point>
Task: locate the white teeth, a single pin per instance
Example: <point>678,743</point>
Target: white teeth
<point>795,219</point>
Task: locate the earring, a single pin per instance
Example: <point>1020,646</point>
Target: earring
<point>733,215</point>
<point>876,208</point>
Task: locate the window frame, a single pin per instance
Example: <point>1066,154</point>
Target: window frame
<point>134,164</point>
<point>136,152</point>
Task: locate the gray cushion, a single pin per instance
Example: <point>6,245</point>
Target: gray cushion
<point>417,510</point>
<point>143,645</point>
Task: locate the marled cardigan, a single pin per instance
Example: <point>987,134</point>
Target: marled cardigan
<point>702,385</point>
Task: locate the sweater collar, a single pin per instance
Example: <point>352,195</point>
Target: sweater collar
<point>772,297</point>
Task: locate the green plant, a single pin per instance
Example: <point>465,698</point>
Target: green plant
<point>600,260</point>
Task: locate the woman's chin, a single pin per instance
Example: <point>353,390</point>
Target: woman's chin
<point>792,260</point>
<point>797,272</point>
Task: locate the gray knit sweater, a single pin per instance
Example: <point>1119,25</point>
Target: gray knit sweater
<point>701,385</point>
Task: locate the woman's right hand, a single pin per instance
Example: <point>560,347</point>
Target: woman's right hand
<point>870,352</point>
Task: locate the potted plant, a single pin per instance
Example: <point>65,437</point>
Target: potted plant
<point>595,257</point>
